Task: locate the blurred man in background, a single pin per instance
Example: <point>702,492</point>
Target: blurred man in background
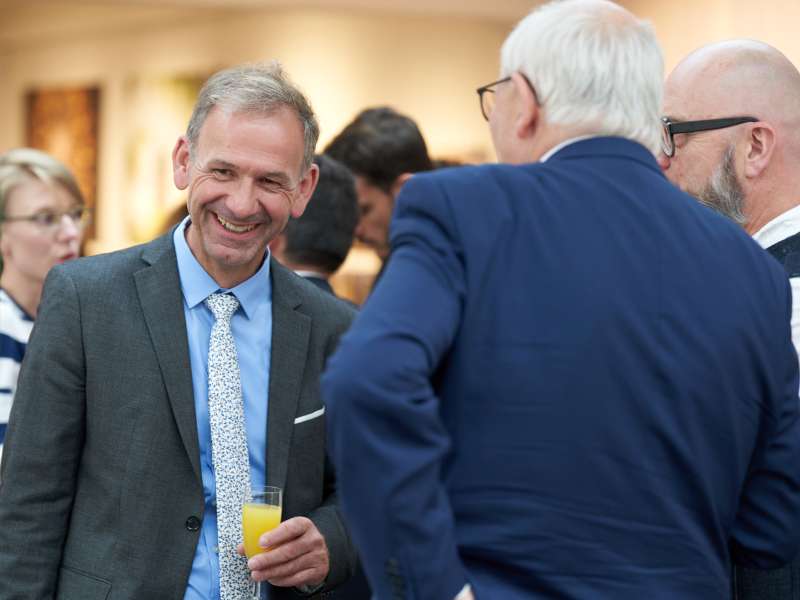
<point>383,148</point>
<point>315,245</point>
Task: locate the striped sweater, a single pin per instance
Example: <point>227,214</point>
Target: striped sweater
<point>15,329</point>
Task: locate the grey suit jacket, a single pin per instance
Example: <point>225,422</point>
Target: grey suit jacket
<point>101,494</point>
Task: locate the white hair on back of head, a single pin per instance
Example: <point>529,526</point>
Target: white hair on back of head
<point>593,65</point>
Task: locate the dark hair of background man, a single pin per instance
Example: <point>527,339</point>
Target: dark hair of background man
<point>380,144</point>
<point>323,235</point>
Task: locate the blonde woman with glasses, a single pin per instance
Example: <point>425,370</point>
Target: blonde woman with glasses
<point>42,218</point>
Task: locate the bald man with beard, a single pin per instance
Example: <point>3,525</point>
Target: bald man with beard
<point>730,138</point>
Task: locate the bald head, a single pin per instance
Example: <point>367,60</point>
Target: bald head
<point>746,170</point>
<point>738,77</point>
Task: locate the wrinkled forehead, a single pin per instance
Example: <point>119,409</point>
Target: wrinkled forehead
<point>255,139</point>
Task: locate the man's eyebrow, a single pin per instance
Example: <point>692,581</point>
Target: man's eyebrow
<point>218,162</point>
<point>278,176</point>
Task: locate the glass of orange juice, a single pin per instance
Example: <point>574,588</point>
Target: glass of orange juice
<point>261,512</point>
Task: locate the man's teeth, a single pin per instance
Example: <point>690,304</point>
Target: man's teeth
<point>235,228</point>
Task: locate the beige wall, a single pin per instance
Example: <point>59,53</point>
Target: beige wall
<point>684,25</point>
<point>427,67</point>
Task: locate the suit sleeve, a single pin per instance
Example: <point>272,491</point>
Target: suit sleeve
<point>385,434</point>
<point>43,447</point>
<point>766,534</point>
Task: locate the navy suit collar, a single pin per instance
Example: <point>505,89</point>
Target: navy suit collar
<point>607,146</point>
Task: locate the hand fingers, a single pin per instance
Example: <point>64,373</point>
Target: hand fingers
<point>285,532</point>
<point>308,562</point>
<point>240,549</point>
<point>309,543</point>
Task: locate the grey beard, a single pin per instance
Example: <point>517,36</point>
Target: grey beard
<point>723,192</point>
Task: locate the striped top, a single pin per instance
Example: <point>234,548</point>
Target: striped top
<point>15,329</point>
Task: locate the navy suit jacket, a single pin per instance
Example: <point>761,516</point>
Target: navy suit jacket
<point>573,381</point>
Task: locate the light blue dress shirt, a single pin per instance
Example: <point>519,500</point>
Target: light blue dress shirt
<point>252,330</point>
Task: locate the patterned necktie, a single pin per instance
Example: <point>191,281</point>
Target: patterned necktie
<point>228,447</point>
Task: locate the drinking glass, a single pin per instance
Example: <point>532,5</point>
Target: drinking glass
<point>261,512</point>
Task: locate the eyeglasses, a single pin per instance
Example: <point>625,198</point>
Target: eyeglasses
<point>486,95</point>
<point>51,220</point>
<point>670,128</point>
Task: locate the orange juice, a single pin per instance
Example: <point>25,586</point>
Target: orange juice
<point>257,519</point>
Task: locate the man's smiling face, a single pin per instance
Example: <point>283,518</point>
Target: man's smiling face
<point>245,179</point>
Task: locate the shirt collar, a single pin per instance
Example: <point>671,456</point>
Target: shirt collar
<point>197,284</point>
<point>563,145</point>
<point>317,274</point>
<point>781,227</point>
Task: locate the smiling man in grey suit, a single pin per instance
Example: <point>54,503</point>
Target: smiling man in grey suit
<point>110,487</point>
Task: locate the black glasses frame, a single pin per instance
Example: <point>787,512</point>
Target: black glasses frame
<point>489,89</point>
<point>81,215</point>
<point>673,127</point>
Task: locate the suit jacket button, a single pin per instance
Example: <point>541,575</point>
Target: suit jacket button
<point>192,523</point>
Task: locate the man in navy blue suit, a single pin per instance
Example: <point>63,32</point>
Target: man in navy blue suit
<point>574,380</point>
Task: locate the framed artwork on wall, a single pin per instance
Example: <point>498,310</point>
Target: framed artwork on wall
<point>64,123</point>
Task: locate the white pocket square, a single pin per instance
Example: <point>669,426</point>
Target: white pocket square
<point>309,416</point>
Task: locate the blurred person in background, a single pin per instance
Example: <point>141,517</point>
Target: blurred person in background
<point>573,380</point>
<point>42,218</point>
<point>382,148</point>
<point>315,245</point>
<point>730,139</point>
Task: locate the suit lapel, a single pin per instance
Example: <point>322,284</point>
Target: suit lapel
<point>290,338</point>
<point>160,296</point>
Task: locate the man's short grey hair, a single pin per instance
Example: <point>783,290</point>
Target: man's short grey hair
<point>593,65</point>
<point>254,88</point>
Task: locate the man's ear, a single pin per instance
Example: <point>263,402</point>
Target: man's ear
<point>181,163</point>
<point>527,107</point>
<point>397,184</point>
<point>305,189</point>
<point>759,150</point>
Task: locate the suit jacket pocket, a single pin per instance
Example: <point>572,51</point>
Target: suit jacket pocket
<point>77,585</point>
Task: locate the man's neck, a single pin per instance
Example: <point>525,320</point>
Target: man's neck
<point>764,207</point>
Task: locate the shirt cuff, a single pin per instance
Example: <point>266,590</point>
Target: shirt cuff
<point>466,592</point>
